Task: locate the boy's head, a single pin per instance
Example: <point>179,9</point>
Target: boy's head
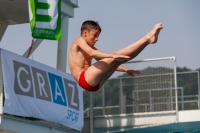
<point>90,25</point>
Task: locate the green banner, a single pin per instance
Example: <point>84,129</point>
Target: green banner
<point>45,19</point>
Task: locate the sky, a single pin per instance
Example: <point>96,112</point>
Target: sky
<point>124,22</point>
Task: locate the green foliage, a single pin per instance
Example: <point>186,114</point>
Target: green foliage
<point>184,69</point>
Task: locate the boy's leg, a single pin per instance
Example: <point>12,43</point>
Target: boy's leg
<point>100,71</point>
<point>134,49</point>
<point>103,69</point>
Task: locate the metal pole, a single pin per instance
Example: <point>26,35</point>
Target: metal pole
<point>182,100</point>
<point>175,83</point>
<point>198,88</point>
<point>121,96</point>
<point>150,101</point>
<point>124,103</point>
<point>1,91</point>
<point>137,105</point>
<point>62,45</point>
<point>91,113</point>
<point>133,100</point>
<point>103,100</point>
<point>171,99</point>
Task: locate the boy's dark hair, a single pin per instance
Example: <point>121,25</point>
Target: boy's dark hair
<point>89,25</point>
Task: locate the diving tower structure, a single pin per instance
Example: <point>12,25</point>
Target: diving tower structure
<point>14,12</point>
<point>17,12</point>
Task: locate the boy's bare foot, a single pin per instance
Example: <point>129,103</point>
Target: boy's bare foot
<point>152,36</point>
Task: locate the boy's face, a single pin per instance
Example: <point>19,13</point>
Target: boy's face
<point>91,36</point>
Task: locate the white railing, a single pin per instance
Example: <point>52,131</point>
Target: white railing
<point>195,98</point>
<point>87,113</point>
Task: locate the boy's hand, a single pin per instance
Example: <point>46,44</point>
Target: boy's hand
<point>121,57</point>
<point>132,72</point>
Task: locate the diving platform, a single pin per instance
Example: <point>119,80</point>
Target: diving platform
<point>164,122</point>
<point>189,121</point>
<point>13,124</point>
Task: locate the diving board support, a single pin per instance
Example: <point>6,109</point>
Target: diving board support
<point>62,45</point>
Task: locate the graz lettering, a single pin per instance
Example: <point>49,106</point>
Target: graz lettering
<point>33,82</point>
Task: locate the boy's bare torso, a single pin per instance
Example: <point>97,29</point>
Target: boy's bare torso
<point>78,60</point>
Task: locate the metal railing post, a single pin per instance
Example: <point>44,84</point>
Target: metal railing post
<point>121,97</point>
<point>175,86</point>
<point>198,89</point>
<point>103,100</point>
<point>91,113</point>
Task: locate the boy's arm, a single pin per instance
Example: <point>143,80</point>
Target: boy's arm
<point>93,52</point>
<point>122,69</point>
<point>128,71</point>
